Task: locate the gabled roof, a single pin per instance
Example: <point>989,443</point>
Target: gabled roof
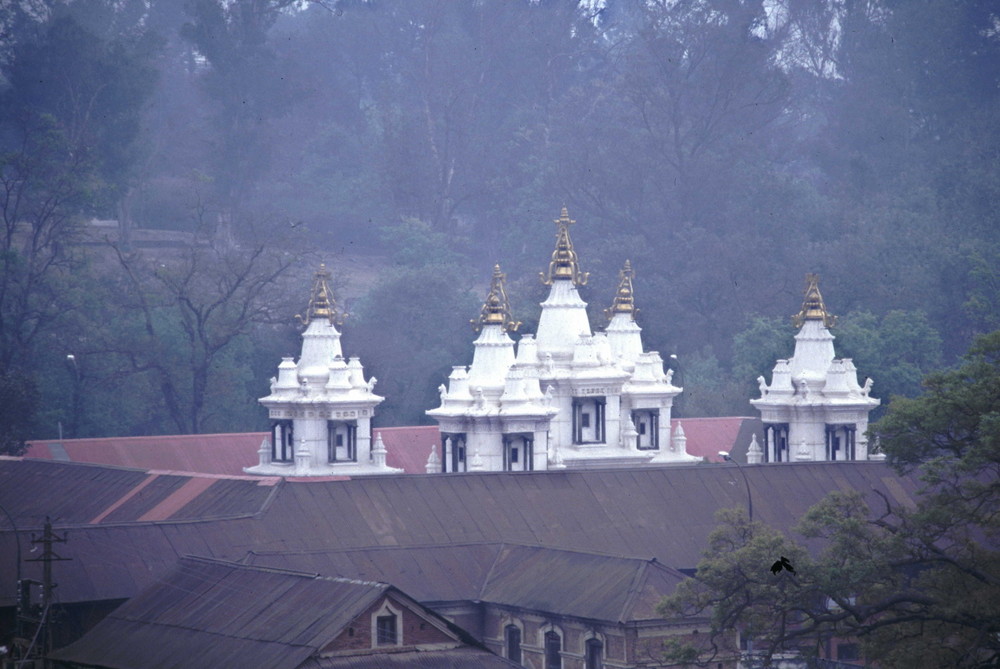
<point>211,614</point>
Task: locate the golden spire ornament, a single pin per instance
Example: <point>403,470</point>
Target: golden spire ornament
<point>624,302</point>
<point>496,309</point>
<point>321,301</point>
<point>813,308</point>
<point>564,264</point>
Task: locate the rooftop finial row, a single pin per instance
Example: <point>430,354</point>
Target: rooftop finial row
<point>813,308</point>
<point>321,301</point>
<point>496,309</point>
<point>564,264</point>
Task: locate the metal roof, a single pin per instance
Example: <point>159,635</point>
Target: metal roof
<point>209,614</point>
<point>458,658</point>
<point>572,583</point>
<point>202,453</point>
<point>649,512</point>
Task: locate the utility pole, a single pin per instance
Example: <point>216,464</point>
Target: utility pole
<point>42,643</point>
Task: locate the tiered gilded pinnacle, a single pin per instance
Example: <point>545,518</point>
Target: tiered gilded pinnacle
<point>624,302</point>
<point>496,309</point>
<point>564,264</point>
<point>321,301</point>
<point>813,308</point>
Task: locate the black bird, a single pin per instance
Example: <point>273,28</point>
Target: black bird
<point>783,563</point>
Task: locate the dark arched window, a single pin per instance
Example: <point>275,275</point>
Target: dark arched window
<point>595,654</point>
<point>512,640</point>
<point>553,650</point>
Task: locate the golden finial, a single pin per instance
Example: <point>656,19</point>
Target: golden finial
<point>624,299</point>
<point>813,308</point>
<point>321,301</point>
<point>564,264</point>
<point>496,309</point>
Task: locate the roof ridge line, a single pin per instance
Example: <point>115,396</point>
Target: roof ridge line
<point>633,590</point>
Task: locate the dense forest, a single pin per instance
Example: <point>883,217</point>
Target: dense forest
<point>725,147</point>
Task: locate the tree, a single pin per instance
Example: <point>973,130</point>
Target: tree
<point>189,324</point>
<point>917,587</point>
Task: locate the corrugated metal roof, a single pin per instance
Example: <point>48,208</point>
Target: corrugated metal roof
<point>208,614</point>
<point>575,583</point>
<point>203,453</point>
<point>661,512</point>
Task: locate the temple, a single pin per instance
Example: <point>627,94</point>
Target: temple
<point>814,409</point>
<point>565,397</point>
<point>321,407</point>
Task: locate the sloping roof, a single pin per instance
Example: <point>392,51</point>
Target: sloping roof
<point>224,454</point>
<point>73,494</point>
<point>573,583</point>
<point>210,614</point>
<point>660,512</point>
<point>407,448</point>
<point>707,436</point>
<point>576,583</point>
<point>426,573</point>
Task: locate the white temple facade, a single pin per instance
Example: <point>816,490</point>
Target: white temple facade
<point>564,398</point>
<point>321,407</point>
<point>814,409</point>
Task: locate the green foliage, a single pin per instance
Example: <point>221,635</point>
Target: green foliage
<point>927,573</point>
<point>409,331</point>
<point>18,404</point>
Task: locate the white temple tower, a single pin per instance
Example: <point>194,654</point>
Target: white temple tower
<point>493,415</point>
<point>814,408</point>
<point>321,407</point>
<point>569,398</point>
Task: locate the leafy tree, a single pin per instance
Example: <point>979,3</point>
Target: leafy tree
<point>917,587</point>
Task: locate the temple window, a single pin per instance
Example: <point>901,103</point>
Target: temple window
<point>776,442</point>
<point>841,442</point>
<point>518,452</point>
<point>341,441</point>
<point>282,441</point>
<point>453,452</point>
<point>588,420</point>
<point>647,427</point>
